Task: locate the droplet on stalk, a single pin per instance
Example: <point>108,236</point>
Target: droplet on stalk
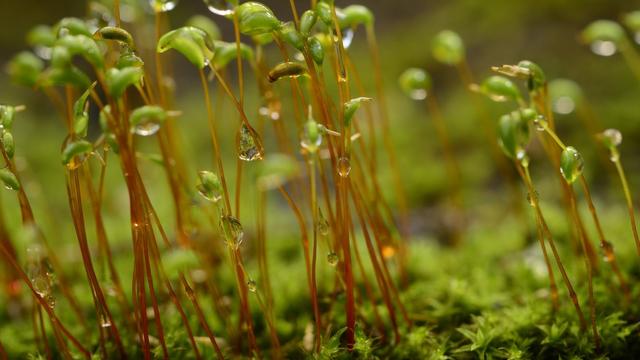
<point>210,186</point>
<point>147,120</point>
<point>249,144</point>
<point>571,164</point>
<point>611,138</point>
<point>233,231</point>
<point>163,5</point>
<point>219,7</point>
<point>252,286</point>
<point>323,225</point>
<point>40,273</point>
<point>344,166</point>
<point>415,83</point>
<point>332,258</point>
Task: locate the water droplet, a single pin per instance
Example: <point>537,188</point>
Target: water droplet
<point>43,52</point>
<point>347,37</point>
<point>249,144</point>
<point>308,144</point>
<point>540,123</point>
<point>163,5</point>
<point>603,47</point>
<point>418,94</point>
<point>252,286</point>
<point>219,7</point>
<point>564,105</point>
<point>332,258</point>
<point>233,230</point>
<point>612,137</point>
<point>344,167</point>
<point>323,224</point>
<point>208,194</point>
<point>104,322</point>
<point>571,164</point>
<point>270,111</point>
<point>532,199</point>
<point>40,273</point>
<point>607,251</point>
<point>146,127</point>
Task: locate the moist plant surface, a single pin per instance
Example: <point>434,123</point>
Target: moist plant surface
<point>206,197</point>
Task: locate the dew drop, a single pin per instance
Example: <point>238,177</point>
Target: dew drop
<point>323,225</point>
<point>252,286</point>
<point>233,230</point>
<point>146,127</point>
<point>332,258</point>
<point>603,47</point>
<point>209,194</point>
<point>105,323</point>
<point>347,38</point>
<point>249,144</point>
<point>418,94</point>
<point>344,167</point>
<point>163,5</point>
<point>613,137</point>
<point>532,199</point>
<point>219,7</point>
<point>540,123</point>
<point>564,105</point>
<point>607,251</point>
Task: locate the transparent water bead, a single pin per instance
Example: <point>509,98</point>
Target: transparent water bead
<point>604,47</point>
<point>612,137</point>
<point>571,164</point>
<point>163,5</point>
<point>219,7</point>
<point>40,273</point>
<point>249,144</point>
<point>332,258</point>
<point>344,167</point>
<point>607,252</point>
<point>564,105</point>
<point>233,231</point>
<point>347,37</point>
<point>323,225</point>
<point>209,187</point>
<point>252,286</point>
<point>532,198</point>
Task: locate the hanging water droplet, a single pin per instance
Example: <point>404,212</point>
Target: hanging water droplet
<point>607,251</point>
<point>146,128</point>
<point>233,231</point>
<point>322,225</point>
<point>309,144</point>
<point>571,164</point>
<point>603,47</point>
<point>347,37</point>
<point>332,258</point>
<point>612,137</point>
<point>344,167</point>
<point>249,144</point>
<point>163,5</point>
<point>540,123</point>
<point>219,7</point>
<point>532,199</point>
<point>40,273</point>
<point>252,286</point>
<point>564,105</point>
<point>418,94</point>
<point>104,322</point>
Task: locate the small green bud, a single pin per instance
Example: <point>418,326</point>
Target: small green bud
<point>350,108</point>
<point>193,43</point>
<point>118,80</point>
<point>226,52</point>
<point>60,57</point>
<point>69,75</point>
<point>513,134</point>
<point>275,170</point>
<point>147,120</point>
<point>207,25</point>
<point>7,115</point>
<point>41,35</point>
<point>537,79</point>
<point>71,26</point>
<point>307,21</point>
<point>255,18</point>
<point>84,46</point>
<point>25,68</point>
<point>129,59</point>
<point>632,21</point>
<point>324,12</point>
<point>447,47</point>
<point>316,49</point>
<point>8,144</point>
<point>499,88</point>
<point>74,149</point>
<point>311,135</point>
<point>415,83</point>
<point>611,138</point>
<point>565,95</point>
<point>210,186</point>
<point>80,115</point>
<point>116,34</point>
<point>603,30</point>
<point>291,36</point>
<point>571,164</point>
<point>104,118</point>
<point>355,15</point>
<point>286,69</point>
<point>9,179</point>
<point>113,142</point>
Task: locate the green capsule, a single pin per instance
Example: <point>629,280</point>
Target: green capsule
<point>116,34</point>
<point>147,120</point>
<point>307,21</point>
<point>571,164</point>
<point>60,57</point>
<point>632,21</point>
<point>415,83</point>
<point>193,43</point>
<point>8,144</point>
<point>206,24</point>
<point>354,15</point>
<point>233,231</point>
<point>75,153</point>
<point>80,114</point>
<point>291,36</point>
<point>129,59</point>
<point>286,69</point>
<point>350,108</point>
<point>324,12</point>
<point>41,35</point>
<point>25,68</point>
<point>311,135</point>
<point>499,88</point>
<point>210,186</point>
<point>118,80</point>
<point>9,179</point>
<point>276,170</point>
<point>69,75</point>
<point>513,134</point>
<point>603,30</point>
<point>447,47</point>
<point>565,95</point>
<point>316,49</point>
<point>225,52</point>
<point>7,115</point>
<point>105,113</point>
<point>84,46</point>
<point>113,143</point>
<point>255,18</point>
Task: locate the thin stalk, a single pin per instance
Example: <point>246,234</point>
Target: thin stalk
<point>615,158</point>
<point>314,212</point>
